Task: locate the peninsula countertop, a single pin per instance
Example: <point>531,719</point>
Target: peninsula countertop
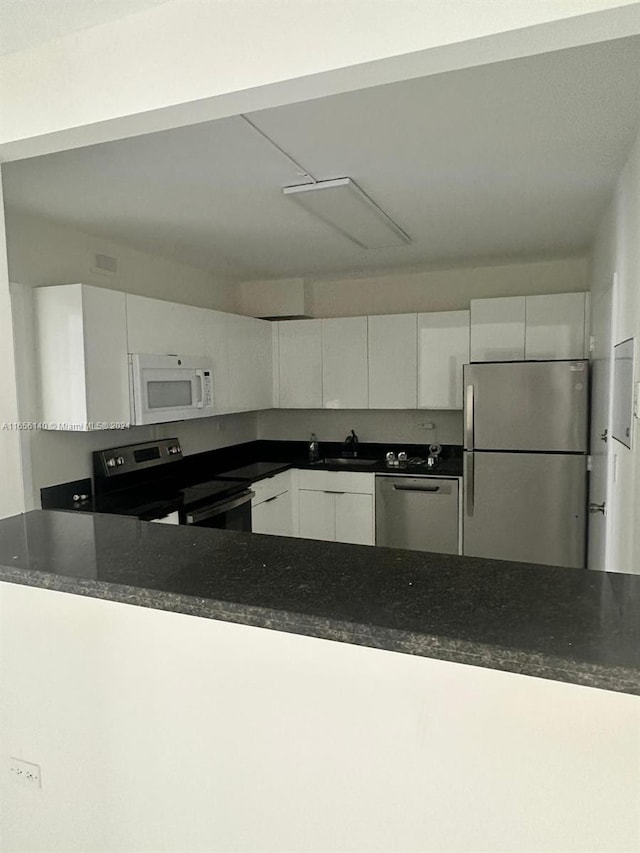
<point>563,624</point>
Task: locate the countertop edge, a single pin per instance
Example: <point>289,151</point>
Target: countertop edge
<point>613,678</point>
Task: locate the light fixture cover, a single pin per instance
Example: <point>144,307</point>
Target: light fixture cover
<point>343,206</point>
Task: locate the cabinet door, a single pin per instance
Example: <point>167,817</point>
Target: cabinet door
<point>345,380</point>
<point>159,327</point>
<point>300,364</point>
<point>443,349</point>
<point>393,361</point>
<point>555,326</point>
<point>216,350</point>
<point>250,369</point>
<point>497,329</point>
<point>82,355</point>
<point>316,515</point>
<point>274,516</point>
<point>105,353</point>
<point>355,521</point>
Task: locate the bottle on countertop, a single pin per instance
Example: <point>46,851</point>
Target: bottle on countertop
<point>314,448</point>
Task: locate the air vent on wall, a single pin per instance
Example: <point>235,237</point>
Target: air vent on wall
<point>105,264</point>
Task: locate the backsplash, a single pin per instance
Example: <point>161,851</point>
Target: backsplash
<point>57,457</point>
<point>371,425</point>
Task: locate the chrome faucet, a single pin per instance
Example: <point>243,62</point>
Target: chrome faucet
<point>350,447</point>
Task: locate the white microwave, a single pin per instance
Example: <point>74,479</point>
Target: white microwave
<point>169,388</point>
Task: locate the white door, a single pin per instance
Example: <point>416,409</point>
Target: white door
<point>443,349</point>
<point>601,366</point>
<point>317,515</point>
<point>498,329</point>
<point>354,519</point>
<point>345,372</point>
<point>250,368</point>
<point>300,364</point>
<point>554,326</point>
<point>273,516</point>
<point>393,366</point>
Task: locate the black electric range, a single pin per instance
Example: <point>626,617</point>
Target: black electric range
<point>147,481</point>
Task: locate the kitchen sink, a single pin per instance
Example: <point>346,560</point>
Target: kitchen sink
<point>348,462</point>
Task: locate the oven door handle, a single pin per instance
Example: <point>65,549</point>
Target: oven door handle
<point>218,508</point>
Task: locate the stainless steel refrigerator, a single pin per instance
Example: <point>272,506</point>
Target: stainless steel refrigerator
<point>525,462</point>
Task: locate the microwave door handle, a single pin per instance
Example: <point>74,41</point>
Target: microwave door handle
<point>200,396</point>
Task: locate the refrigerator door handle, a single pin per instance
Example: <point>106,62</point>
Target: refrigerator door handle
<point>468,419</point>
<point>468,482</point>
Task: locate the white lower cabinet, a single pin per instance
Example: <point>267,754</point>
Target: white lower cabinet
<point>272,508</point>
<point>337,506</point>
<point>317,515</point>
<point>354,519</point>
<point>273,516</point>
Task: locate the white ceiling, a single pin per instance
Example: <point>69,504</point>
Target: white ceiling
<point>27,23</point>
<point>515,159</point>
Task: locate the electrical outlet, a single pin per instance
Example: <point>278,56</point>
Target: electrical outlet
<point>25,772</point>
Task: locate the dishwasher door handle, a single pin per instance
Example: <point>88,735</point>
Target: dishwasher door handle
<point>431,489</point>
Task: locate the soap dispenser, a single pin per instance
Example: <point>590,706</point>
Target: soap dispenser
<point>314,448</point>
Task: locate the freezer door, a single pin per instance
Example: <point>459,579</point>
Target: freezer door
<point>527,405</point>
<point>526,507</point>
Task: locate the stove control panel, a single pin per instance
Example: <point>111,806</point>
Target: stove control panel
<point>136,457</point>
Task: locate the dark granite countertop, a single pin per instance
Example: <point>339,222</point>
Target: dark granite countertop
<point>282,455</point>
<point>568,625</point>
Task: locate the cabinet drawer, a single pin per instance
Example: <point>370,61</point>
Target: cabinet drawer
<point>270,487</point>
<point>337,481</point>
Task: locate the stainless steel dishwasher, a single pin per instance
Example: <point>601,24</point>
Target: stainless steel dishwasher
<point>419,513</point>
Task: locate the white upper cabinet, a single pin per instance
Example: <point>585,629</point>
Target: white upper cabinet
<point>216,350</point>
<point>299,362</point>
<point>250,366</point>
<point>393,361</point>
<point>497,329</point>
<point>529,327</point>
<point>82,354</point>
<point>345,380</point>
<point>159,327</point>
<point>443,349</point>
<point>555,326</point>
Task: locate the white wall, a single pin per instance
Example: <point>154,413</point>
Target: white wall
<point>617,250</point>
<point>163,732</point>
<point>43,252</point>
<point>445,289</point>
<point>179,63</point>
<point>374,425</point>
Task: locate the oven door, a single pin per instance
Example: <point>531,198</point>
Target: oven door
<point>169,388</point>
<point>232,513</point>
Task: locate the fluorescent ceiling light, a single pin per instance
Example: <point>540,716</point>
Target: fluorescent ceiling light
<point>343,206</point>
